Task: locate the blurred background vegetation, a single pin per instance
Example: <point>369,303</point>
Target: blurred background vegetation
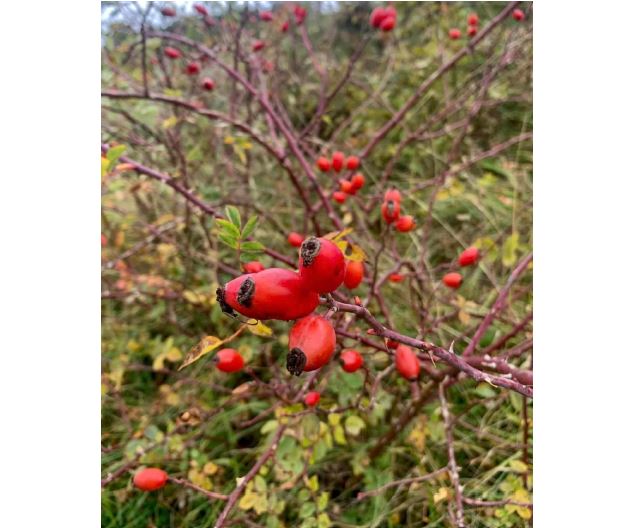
<point>162,261</point>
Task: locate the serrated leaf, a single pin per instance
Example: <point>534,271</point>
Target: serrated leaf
<point>354,425</point>
<point>233,214</point>
<point>228,240</point>
<point>250,226</point>
<point>260,329</point>
<point>252,247</point>
<point>228,228</point>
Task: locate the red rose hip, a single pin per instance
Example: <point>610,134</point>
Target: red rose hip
<point>321,264</point>
<point>407,362</point>
<point>518,15</point>
<point>295,239</point>
<point>229,360</point>
<point>358,181</point>
<point>150,479</point>
<point>208,84</point>
<point>472,30</point>
<point>452,280</point>
<point>339,196</point>
<point>253,267</point>
<point>387,24</point>
<point>201,9</point>
<point>312,399</point>
<point>352,162</point>
<point>311,344</point>
<point>338,161</point>
<point>377,16</point>
<point>354,274</point>
<point>454,33</point>
<point>472,19</point>
<point>171,53</point>
<point>405,223</point>
<point>324,164</point>
<point>351,360</point>
<point>193,68</point>
<point>469,256</point>
<point>168,11</point>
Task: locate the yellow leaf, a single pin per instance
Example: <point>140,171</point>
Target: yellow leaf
<point>338,435</point>
<point>191,297</point>
<point>334,419</point>
<point>173,399</point>
<point>334,236</point>
<point>464,317</point>
<point>312,483</point>
<point>210,468</point>
<point>441,495</point>
<point>174,354</point>
<point>120,238</point>
<point>133,346</point>
<point>518,466</point>
<point>104,166</point>
<point>164,219</point>
<point>260,329</point>
<point>170,122</point>
<point>158,363</point>
<point>248,499</point>
<point>203,347</point>
<point>417,436</point>
<point>229,140</point>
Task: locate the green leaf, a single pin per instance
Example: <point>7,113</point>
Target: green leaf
<point>114,153</point>
<point>250,226</point>
<point>323,501</point>
<point>338,435</point>
<point>228,228</point>
<point>234,215</point>
<point>510,248</point>
<point>252,247</point>
<point>354,425</point>
<point>228,240</point>
<point>306,510</point>
<point>323,520</point>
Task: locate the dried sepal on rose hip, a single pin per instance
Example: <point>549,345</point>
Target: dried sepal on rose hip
<point>150,479</point>
<point>311,344</point>
<point>274,293</point>
<point>321,264</point>
<point>407,362</point>
<point>229,360</point>
<point>351,360</point>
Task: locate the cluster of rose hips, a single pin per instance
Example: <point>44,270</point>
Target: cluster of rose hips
<point>299,13</point>
<point>192,68</point>
<point>337,162</point>
<point>391,211</point>
<point>384,18</point>
<point>469,257</point>
<point>472,24</point>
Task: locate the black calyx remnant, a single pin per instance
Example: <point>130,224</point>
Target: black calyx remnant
<point>390,205</point>
<point>296,361</point>
<point>220,298</point>
<point>309,250</point>
<point>246,292</point>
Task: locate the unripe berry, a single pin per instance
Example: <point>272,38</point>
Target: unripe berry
<point>285,27</point>
<point>351,360</point>
<point>454,33</point>
<point>193,68</point>
<point>358,181</point>
<point>472,30</point>
<point>258,45</point>
<point>150,479</point>
<point>469,256</point>
<point>405,223</point>
<point>387,24</point>
<point>208,84</point>
<point>377,16</point>
<point>172,53</point>
<point>311,344</point>
<point>346,186</point>
<point>354,274</point>
<point>452,280</point>
<point>352,162</point>
<point>253,267</point>
<point>338,161</point>
<point>201,9</point>
<point>168,11</point>
<point>274,293</point>
<point>229,360</point>
<point>472,19</point>
<point>321,264</point>
<point>339,196</point>
<point>312,399</point>
<point>518,15</point>
<point>324,164</point>
<point>266,16</point>
<point>395,277</point>
<point>407,362</point>
<point>295,239</point>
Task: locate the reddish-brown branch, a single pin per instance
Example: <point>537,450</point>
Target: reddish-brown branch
<point>377,491</point>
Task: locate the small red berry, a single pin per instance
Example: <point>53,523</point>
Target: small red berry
<point>352,162</point>
<point>452,280</point>
<point>266,16</point>
<point>172,53</point>
<point>454,33</point>
<point>208,84</point>
<point>321,264</point>
<point>295,239</point>
<point>229,360</point>
<point>346,186</point>
<point>392,344</point>
<point>324,164</point>
<point>472,19</point>
<point>395,277</point>
<point>407,362</point>
<point>387,24</point>
<point>150,479</point>
<point>469,256</point>
<point>390,210</point>
<point>300,14</point>
<point>311,344</point>
<point>351,360</point>
<point>273,293</point>
<point>312,399</point>
<point>358,181</point>
<point>193,68</point>
<point>472,30</point>
<point>339,196</point>
<point>285,27</point>
<point>168,11</point>
<point>338,161</point>
<point>104,240</point>
<point>201,9</point>
<point>518,15</point>
<point>405,223</point>
<point>354,274</point>
<point>253,267</point>
<point>258,45</point>
<point>377,16</point>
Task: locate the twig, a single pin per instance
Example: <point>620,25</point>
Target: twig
<point>209,494</point>
<point>372,493</point>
